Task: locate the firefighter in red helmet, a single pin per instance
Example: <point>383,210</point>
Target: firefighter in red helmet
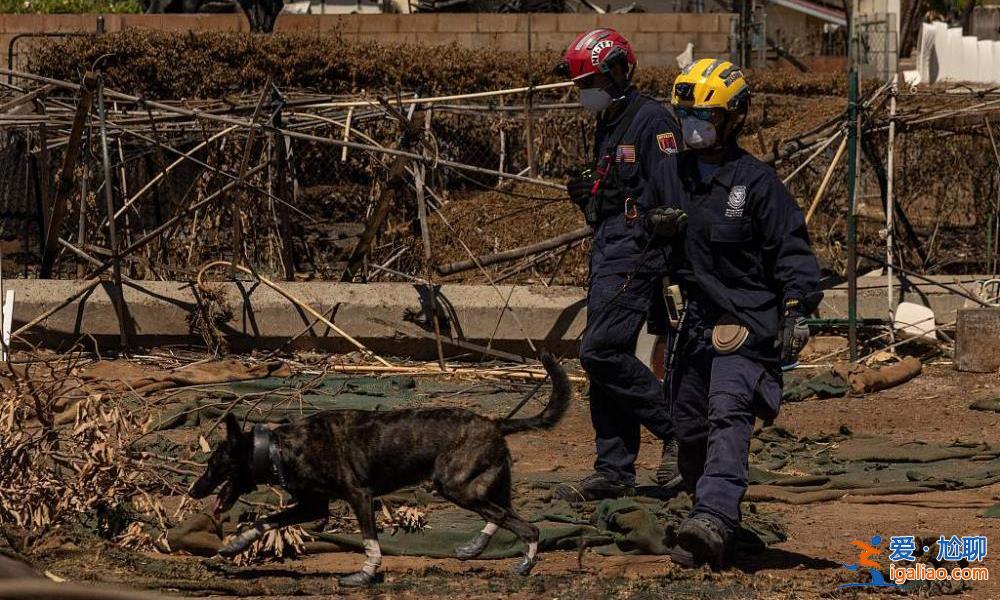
<point>635,135</point>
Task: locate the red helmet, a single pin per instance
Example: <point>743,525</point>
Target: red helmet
<point>594,52</point>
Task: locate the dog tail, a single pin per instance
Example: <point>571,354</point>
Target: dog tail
<point>562,391</point>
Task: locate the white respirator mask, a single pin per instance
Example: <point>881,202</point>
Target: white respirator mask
<point>698,134</point>
<point>594,99</point>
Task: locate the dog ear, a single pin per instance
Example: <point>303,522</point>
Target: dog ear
<point>233,430</point>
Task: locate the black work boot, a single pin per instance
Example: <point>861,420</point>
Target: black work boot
<point>668,473</point>
<point>592,487</point>
<point>700,540</point>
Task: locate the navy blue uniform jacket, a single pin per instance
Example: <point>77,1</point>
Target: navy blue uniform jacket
<point>746,250</point>
<point>649,144</point>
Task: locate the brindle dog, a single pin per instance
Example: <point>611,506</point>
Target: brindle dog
<point>357,455</point>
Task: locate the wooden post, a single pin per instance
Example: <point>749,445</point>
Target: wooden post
<point>81,231</point>
<point>420,173</point>
<point>44,170</point>
<point>54,222</point>
<point>503,155</point>
<point>281,147</point>
<point>854,128</point>
<point>890,201</point>
<point>529,126</point>
<point>119,296</point>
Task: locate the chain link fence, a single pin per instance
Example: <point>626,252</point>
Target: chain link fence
<point>878,46</point>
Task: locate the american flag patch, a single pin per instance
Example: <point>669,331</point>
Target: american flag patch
<point>626,153</point>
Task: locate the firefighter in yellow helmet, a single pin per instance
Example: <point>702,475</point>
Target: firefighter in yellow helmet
<point>712,99</point>
<point>740,251</point>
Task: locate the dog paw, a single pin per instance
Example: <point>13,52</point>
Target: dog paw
<point>360,579</point>
<point>524,567</point>
<point>474,548</point>
<point>240,542</point>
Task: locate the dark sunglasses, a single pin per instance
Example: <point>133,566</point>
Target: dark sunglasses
<point>704,114</point>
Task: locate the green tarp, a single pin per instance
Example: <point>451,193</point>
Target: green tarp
<point>278,400</point>
<point>611,527</point>
<point>829,467</point>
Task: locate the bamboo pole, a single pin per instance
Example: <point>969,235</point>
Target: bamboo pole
<point>523,373</point>
<point>826,179</point>
<point>347,133</point>
<point>812,156</point>
<point>516,253</point>
<point>435,99</point>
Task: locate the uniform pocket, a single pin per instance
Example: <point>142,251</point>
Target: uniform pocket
<point>628,171</point>
<point>767,397</point>
<point>732,249</point>
<point>607,289</point>
<point>736,231</point>
<point>615,316</point>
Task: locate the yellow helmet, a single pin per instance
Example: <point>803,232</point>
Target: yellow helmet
<point>711,83</point>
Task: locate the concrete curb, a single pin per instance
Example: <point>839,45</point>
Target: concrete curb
<point>161,314</point>
<point>382,316</point>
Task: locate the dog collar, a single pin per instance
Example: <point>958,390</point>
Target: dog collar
<point>266,457</point>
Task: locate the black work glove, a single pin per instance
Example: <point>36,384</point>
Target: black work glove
<point>794,334</point>
<point>665,223</point>
<point>578,188</point>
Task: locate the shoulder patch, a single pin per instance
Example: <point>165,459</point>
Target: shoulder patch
<point>667,143</point>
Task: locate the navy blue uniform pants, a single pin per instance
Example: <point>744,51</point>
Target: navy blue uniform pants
<point>714,399</point>
<point>624,393</point>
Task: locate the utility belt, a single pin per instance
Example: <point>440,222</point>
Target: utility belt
<point>728,335</point>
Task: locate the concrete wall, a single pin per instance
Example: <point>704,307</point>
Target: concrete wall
<point>658,38</point>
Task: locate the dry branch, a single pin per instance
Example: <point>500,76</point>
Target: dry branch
<point>516,253</point>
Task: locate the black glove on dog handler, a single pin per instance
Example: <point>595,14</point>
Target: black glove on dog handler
<point>793,336</point>
<point>665,224</point>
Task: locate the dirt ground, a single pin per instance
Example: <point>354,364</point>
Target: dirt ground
<point>931,408</point>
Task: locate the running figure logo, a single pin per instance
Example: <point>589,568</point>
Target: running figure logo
<point>865,554</point>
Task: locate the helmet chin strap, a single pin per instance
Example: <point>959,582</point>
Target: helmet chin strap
<point>617,93</point>
<point>734,132</point>
<point>618,89</point>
